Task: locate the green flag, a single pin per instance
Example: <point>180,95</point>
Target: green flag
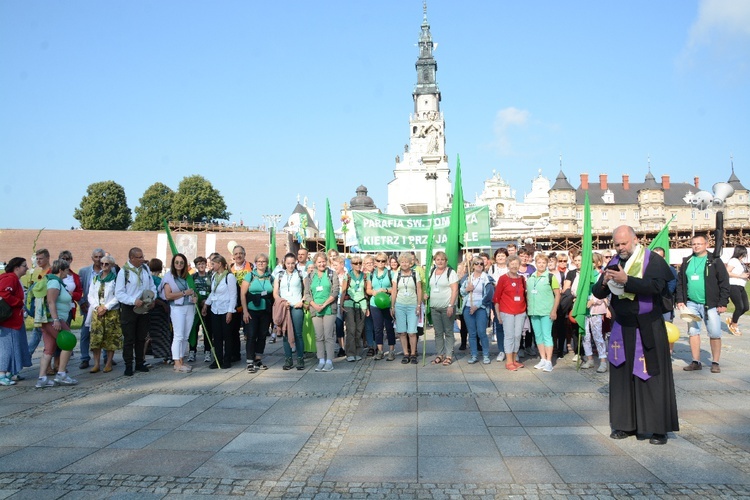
<point>330,234</point>
<point>662,239</point>
<point>457,230</point>
<point>272,249</point>
<point>586,272</point>
<point>428,266</point>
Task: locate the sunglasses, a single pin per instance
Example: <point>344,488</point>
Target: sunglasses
<point>381,260</point>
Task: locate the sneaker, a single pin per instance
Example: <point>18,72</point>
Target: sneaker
<point>300,364</point>
<point>44,382</point>
<point>715,368</point>
<point>350,359</point>
<point>65,379</point>
<point>379,355</point>
<point>521,353</point>
<point>694,366</point>
<point>191,357</point>
<point>501,356</point>
<point>341,353</point>
<point>328,366</point>
<point>602,367</point>
<point>391,356</point>
<point>575,358</point>
<point>5,380</point>
<point>321,365</point>
<point>273,338</point>
<point>357,358</point>
<point>473,360</point>
<point>587,364</point>
<point>541,364</point>
<point>207,358</point>
<point>486,360</point>
<point>547,366</point>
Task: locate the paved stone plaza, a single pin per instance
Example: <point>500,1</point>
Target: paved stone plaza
<point>370,429</point>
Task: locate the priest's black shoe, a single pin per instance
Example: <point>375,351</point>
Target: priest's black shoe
<point>141,368</point>
<point>213,366</point>
<point>619,434</point>
<point>658,439</point>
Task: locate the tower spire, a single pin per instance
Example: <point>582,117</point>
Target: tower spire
<point>426,65</point>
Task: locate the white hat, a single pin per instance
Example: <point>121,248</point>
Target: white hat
<point>147,297</point>
<point>615,287</point>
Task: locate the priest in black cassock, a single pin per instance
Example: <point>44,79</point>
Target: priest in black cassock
<point>641,389</point>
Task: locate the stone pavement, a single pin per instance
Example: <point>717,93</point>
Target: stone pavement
<point>370,429</point>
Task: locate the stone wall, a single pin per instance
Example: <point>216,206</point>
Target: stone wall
<point>19,243</point>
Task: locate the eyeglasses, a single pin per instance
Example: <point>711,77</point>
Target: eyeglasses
<point>261,262</point>
<point>105,264</point>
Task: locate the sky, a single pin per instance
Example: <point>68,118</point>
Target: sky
<point>275,100</point>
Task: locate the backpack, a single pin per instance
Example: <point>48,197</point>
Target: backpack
<point>350,276</point>
<point>413,277</point>
<point>255,298</point>
<point>433,272</point>
<point>281,273</point>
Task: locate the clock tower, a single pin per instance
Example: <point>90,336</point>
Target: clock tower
<point>421,184</point>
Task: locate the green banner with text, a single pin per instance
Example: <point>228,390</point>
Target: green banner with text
<point>380,232</point>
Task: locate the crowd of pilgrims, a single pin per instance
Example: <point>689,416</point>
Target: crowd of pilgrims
<point>323,304</point>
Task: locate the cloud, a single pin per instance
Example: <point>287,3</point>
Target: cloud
<point>719,19</point>
<point>506,120</point>
<point>719,39</point>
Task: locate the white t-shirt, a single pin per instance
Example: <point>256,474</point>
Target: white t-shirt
<point>496,271</point>
<point>736,267</point>
<point>440,288</point>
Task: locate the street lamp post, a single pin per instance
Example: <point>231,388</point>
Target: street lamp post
<point>271,220</point>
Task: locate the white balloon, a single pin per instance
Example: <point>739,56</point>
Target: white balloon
<point>231,245</point>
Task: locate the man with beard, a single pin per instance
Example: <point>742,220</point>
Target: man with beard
<point>641,388</point>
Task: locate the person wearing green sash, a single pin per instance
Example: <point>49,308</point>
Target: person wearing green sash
<point>355,309</point>
<point>321,294</point>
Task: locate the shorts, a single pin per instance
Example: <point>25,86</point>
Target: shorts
<point>406,318</point>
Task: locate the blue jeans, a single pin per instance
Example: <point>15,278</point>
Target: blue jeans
<point>85,343</point>
<point>710,317</point>
<point>499,333</point>
<point>36,337</point>
<point>369,331</point>
<point>298,316</point>
<point>477,325</point>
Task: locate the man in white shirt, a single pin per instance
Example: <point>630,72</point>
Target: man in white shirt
<point>87,275</point>
<point>133,279</point>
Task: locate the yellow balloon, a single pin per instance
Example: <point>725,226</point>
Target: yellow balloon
<point>673,333</point>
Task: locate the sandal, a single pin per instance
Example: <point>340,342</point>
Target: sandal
<point>414,360</point>
<point>405,361</point>
<point>518,365</point>
<point>447,361</point>
<point>370,352</point>
<point>511,367</point>
<point>437,360</point>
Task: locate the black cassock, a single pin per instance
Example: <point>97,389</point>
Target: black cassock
<point>644,406</point>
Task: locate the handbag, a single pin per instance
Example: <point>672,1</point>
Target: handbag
<point>5,310</point>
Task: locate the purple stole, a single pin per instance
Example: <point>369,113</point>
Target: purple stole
<point>616,347</point>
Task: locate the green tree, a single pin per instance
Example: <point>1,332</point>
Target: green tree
<point>154,206</point>
<point>104,206</point>
<point>197,200</point>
